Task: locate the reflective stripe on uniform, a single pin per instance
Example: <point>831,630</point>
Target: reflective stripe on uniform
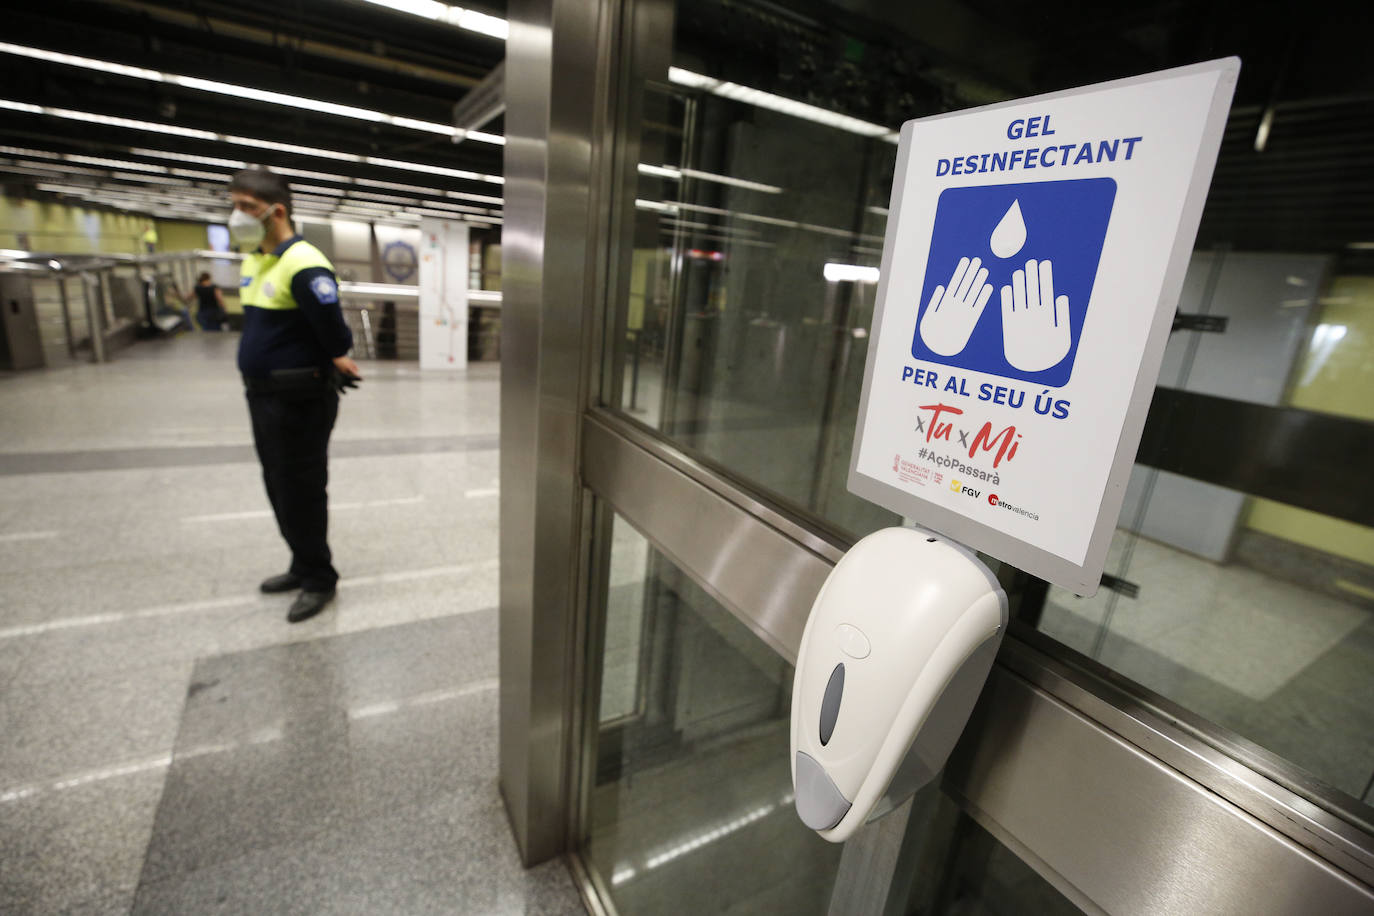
<point>267,278</point>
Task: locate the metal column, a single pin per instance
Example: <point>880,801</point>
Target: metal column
<point>559,61</point>
<point>66,315</point>
<point>95,325</point>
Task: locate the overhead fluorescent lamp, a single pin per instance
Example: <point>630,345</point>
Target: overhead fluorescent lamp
<point>316,189</point>
<point>116,163</point>
<point>364,205</point>
<point>851,272</point>
<point>471,20</point>
<point>62,188</point>
<point>141,73</point>
<point>151,179</point>
<point>479,198</point>
<point>760,99</point>
<point>205,176</point>
<point>656,205</point>
<point>419,191</point>
<point>434,169</point>
<point>53,168</point>
<point>247,92</point>
<point>35,153</point>
<point>674,174</point>
<point>130,123</point>
<point>457,208</point>
<point>187,157</point>
<point>251,142</point>
<point>733,182</point>
<point>660,171</point>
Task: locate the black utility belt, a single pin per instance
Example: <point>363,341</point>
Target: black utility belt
<point>292,380</point>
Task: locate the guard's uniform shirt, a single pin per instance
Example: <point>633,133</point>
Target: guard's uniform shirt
<point>291,316</point>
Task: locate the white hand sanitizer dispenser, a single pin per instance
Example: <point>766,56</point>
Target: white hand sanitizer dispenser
<point>895,653</point>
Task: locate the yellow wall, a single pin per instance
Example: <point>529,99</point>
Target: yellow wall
<point>63,229</point>
<point>56,227</point>
<point>1337,379</point>
<point>178,235</point>
<point>182,235</point>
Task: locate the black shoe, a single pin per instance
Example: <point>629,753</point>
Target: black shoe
<point>286,582</point>
<point>307,605</point>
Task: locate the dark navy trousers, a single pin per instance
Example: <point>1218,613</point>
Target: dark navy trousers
<point>291,431</point>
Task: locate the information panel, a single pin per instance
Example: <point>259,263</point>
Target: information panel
<point>443,294</point>
<point>1034,256</point>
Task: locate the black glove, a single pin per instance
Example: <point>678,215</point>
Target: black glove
<point>342,381</point>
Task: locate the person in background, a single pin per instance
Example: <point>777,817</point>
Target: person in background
<point>149,239</point>
<point>210,312</point>
<point>293,356</point>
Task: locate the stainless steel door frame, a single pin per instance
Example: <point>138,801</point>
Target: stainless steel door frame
<point>1126,804</point>
<point>1117,801</point>
<point>559,78</point>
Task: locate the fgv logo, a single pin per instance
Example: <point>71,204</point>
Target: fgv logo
<point>1031,251</point>
<point>958,487</point>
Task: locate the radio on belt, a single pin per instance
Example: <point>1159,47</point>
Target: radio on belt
<point>895,653</point>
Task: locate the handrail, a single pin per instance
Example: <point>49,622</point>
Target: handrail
<point>61,262</point>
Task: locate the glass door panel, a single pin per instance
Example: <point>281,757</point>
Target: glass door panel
<point>1240,588</point>
<point>1250,612</point>
<point>690,808</point>
<point>952,865</point>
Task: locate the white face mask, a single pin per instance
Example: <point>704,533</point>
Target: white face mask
<point>246,229</point>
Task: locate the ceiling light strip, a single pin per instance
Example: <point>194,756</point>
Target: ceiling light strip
<point>322,176</point>
<point>247,92</point>
<point>677,174</point>
<point>132,124</point>
<point>470,20</point>
<point>760,99</point>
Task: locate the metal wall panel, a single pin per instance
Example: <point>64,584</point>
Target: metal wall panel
<point>764,577</point>
<point>1116,830</point>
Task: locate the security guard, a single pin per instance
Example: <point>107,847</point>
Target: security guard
<point>293,357</point>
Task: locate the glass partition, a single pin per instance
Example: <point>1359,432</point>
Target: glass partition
<point>1241,579</point>
<point>691,804</point>
<point>950,864</point>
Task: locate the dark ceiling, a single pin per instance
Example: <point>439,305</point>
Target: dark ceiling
<point>1309,188</point>
<point>323,51</point>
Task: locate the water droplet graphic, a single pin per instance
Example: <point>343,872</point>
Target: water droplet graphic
<point>1010,233</point>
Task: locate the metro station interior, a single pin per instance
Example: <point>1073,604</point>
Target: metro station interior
<point>582,506</point>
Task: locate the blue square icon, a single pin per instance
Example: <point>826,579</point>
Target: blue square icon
<point>1009,277</point>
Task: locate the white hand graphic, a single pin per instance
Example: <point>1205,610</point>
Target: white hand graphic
<point>954,310</point>
<point>1035,324</point>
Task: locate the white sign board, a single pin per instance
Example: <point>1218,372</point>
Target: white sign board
<point>1034,256</point>
<point>443,294</point>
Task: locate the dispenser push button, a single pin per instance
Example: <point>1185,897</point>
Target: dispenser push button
<point>852,641</point>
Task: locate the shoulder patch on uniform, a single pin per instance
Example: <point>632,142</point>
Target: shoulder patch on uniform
<point>325,289</point>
